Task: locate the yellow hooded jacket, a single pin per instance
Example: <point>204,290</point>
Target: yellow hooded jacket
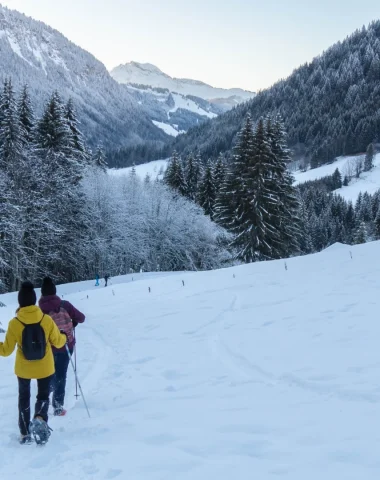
<point>38,368</point>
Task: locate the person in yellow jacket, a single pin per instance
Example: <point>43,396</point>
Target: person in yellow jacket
<point>41,370</point>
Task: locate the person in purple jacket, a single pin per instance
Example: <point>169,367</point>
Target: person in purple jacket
<point>67,317</point>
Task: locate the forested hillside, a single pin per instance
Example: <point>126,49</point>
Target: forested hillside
<point>330,106</point>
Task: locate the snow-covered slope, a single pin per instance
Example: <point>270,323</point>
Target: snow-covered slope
<point>368,181</point>
<point>33,53</point>
<point>249,372</point>
<point>153,169</point>
<point>179,103</point>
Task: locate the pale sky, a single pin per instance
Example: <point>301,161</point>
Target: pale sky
<point>227,43</point>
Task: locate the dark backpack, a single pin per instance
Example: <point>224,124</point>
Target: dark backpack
<point>33,341</point>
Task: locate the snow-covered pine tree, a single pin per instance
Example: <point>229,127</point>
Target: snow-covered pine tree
<point>147,179</point>
<point>191,177</point>
<point>26,116</point>
<point>219,173</point>
<point>207,192</point>
<point>257,237</point>
<point>30,198</point>
<point>99,158</point>
<point>10,136</point>
<point>78,143</point>
<point>62,174</point>
<point>174,176</point>
<point>228,198</point>
<point>17,190</point>
<point>286,202</point>
<point>361,234</point>
<point>231,196</point>
<point>365,212</point>
<point>377,226</point>
<point>337,179</point>
<point>368,162</point>
<point>305,241</point>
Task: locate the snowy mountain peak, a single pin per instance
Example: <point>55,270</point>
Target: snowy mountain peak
<point>146,67</point>
<point>149,75</point>
<point>176,103</point>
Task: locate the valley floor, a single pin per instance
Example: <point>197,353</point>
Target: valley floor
<point>250,372</point>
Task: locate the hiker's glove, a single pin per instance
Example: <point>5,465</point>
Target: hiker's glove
<point>64,333</point>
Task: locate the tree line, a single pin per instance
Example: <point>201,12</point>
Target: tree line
<point>61,213</point>
<point>254,198</point>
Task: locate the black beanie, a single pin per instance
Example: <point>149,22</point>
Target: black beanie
<point>27,296</point>
<point>48,287</point>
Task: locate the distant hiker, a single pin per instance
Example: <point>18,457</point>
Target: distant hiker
<point>34,334</point>
<point>97,280</point>
<point>67,318</point>
<point>106,278</point>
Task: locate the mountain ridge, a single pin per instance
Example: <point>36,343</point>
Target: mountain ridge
<point>136,72</point>
<point>34,53</point>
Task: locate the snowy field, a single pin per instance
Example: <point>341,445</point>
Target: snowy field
<point>249,372</point>
<point>368,182</point>
<point>152,168</point>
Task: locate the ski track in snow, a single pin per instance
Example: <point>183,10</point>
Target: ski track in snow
<point>246,372</point>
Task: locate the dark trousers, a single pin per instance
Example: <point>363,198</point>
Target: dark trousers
<point>42,403</point>
<point>58,384</point>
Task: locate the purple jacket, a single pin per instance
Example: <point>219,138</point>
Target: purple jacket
<point>51,303</point>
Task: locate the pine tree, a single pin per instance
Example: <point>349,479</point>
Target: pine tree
<point>10,136</point>
<point>78,143</point>
<point>361,234</point>
<point>147,179</point>
<point>99,158</point>
<point>377,226</point>
<point>283,193</point>
<point>133,173</point>
<point>230,199</point>
<point>207,192</point>
<point>219,173</point>
<point>53,132</point>
<point>62,173</point>
<point>20,176</point>
<point>174,176</point>
<point>350,223</point>
<point>192,179</point>
<point>305,241</point>
<point>368,162</point>
<point>337,179</point>
<point>254,227</point>
<point>26,116</point>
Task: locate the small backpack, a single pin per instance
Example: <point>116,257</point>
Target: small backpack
<point>33,341</point>
<point>63,321</point>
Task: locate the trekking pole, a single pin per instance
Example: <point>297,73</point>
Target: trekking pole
<point>75,362</point>
<point>75,373</point>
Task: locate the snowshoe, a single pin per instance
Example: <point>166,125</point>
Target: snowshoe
<point>26,440</point>
<point>40,431</point>
<point>60,412</point>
